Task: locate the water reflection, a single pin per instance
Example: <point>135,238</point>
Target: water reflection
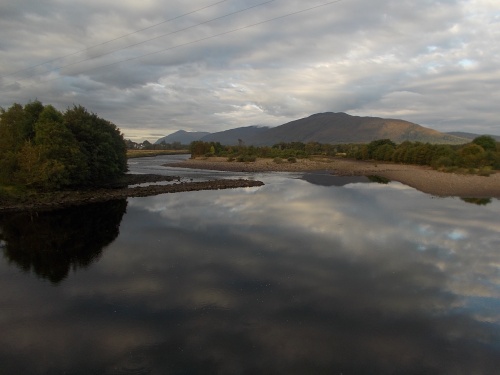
<point>288,278</point>
<point>478,201</point>
<point>51,243</point>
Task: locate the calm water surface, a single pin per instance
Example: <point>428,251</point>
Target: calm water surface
<point>305,275</point>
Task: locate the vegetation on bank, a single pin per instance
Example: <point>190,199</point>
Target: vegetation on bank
<point>133,153</point>
<point>43,149</point>
<point>481,156</point>
<point>146,145</point>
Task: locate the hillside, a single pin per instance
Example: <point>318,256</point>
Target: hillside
<point>233,137</point>
<point>182,137</point>
<point>326,127</point>
<point>343,128</point>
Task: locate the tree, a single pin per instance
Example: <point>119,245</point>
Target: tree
<point>198,148</point>
<point>101,143</point>
<point>374,145</point>
<point>32,112</point>
<point>43,148</point>
<point>486,142</point>
<point>471,154</point>
<point>11,140</point>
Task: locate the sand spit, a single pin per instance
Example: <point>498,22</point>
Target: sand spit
<point>421,178</point>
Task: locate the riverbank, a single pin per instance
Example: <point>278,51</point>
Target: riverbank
<point>421,178</point>
<point>119,190</point>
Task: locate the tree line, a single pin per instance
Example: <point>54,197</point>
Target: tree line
<point>43,148</point>
<point>483,153</point>
<point>146,145</point>
<point>281,150</point>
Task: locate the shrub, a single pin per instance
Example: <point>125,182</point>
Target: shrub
<point>246,158</point>
<point>443,161</point>
<point>292,160</point>
<point>485,171</point>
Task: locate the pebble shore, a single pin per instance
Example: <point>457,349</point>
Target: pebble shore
<point>122,190</point>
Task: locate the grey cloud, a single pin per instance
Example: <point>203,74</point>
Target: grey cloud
<point>350,56</point>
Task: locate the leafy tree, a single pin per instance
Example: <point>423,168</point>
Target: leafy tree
<point>11,140</point>
<point>198,148</point>
<point>43,148</point>
<point>470,155</point>
<point>32,112</point>
<point>63,161</point>
<point>147,145</point>
<point>374,145</point>
<point>101,143</point>
<point>486,142</point>
<point>11,123</point>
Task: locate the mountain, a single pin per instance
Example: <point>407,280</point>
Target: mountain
<point>233,136</point>
<point>328,127</point>
<point>182,137</point>
<point>471,136</point>
<point>340,127</point>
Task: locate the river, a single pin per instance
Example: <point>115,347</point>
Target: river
<point>308,274</point>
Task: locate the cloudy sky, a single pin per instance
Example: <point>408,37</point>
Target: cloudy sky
<point>153,67</point>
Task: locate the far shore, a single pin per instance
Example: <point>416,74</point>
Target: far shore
<point>422,178</point>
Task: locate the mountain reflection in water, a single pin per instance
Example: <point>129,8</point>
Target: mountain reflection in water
<point>51,243</point>
<point>328,179</point>
<point>288,278</point>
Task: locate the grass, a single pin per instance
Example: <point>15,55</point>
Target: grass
<point>145,153</point>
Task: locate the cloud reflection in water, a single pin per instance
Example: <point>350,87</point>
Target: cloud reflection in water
<point>288,278</point>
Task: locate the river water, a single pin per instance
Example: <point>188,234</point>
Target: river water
<point>308,274</point>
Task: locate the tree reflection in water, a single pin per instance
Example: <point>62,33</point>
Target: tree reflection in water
<point>52,243</point>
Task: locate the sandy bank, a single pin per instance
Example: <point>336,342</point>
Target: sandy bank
<point>421,178</point>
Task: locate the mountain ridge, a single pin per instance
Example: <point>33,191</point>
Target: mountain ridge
<point>182,136</point>
<point>332,127</point>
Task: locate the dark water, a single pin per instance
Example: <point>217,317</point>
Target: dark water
<point>300,276</point>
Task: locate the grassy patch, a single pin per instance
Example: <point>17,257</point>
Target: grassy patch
<point>145,153</point>
<point>246,158</point>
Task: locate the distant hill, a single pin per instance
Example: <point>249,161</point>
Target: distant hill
<point>183,137</point>
<point>326,127</point>
<point>233,136</point>
<point>471,136</point>
<point>340,127</point>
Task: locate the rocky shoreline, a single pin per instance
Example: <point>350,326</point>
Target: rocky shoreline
<point>422,178</point>
<point>119,190</point>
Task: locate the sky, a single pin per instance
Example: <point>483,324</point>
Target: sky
<point>154,67</point>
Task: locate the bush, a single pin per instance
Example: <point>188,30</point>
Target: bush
<point>485,171</point>
<point>246,158</point>
<point>443,161</point>
<point>292,160</point>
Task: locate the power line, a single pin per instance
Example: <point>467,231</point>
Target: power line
<point>113,40</point>
<point>167,34</point>
<point>204,39</point>
<point>154,38</point>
